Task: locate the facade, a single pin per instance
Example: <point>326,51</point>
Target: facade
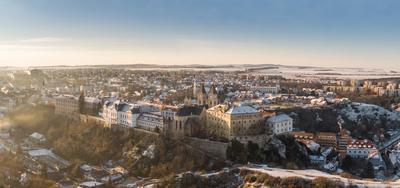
<point>66,105</point>
<point>185,122</point>
<point>92,105</point>
<point>242,123</point>
<point>69,105</point>
<point>280,124</point>
<point>169,113</point>
<point>267,89</point>
<point>343,140</point>
<point>317,160</point>
<point>326,139</point>
<point>209,99</point>
<point>361,148</point>
<point>110,113</point>
<point>151,122</point>
<point>123,113</point>
<point>302,136</point>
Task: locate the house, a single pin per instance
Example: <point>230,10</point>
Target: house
<point>280,124</point>
<point>317,160</point>
<point>361,148</point>
<point>343,140</point>
<point>302,136</point>
<point>326,139</point>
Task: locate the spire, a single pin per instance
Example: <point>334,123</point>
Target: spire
<point>194,88</point>
<point>203,90</point>
<point>212,89</point>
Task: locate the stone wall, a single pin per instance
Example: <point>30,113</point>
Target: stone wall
<point>214,148</point>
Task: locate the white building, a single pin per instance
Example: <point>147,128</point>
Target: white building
<point>169,113</point>
<point>361,148</point>
<point>280,124</point>
<point>123,113</point>
<point>266,89</point>
<point>151,122</point>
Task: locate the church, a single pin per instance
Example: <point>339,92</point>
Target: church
<point>204,98</point>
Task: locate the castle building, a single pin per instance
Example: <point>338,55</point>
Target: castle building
<point>242,123</point>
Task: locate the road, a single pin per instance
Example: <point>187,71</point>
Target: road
<point>391,142</point>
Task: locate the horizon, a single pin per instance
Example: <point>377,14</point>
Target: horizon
<point>350,34</point>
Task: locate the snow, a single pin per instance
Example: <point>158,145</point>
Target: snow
<point>91,184</point>
<point>38,136</point>
<point>312,174</point>
<point>318,102</point>
<point>40,152</point>
<point>354,111</point>
<point>279,118</point>
<point>241,110</point>
<point>149,152</point>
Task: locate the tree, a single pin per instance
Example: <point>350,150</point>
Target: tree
<point>368,171</point>
<point>322,182</point>
<point>253,150</point>
<point>347,162</point>
<point>43,170</point>
<point>237,152</point>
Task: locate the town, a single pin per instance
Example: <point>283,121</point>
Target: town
<point>242,120</point>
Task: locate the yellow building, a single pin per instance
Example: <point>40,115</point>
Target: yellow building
<point>243,123</point>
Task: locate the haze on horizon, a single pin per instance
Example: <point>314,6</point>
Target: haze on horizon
<point>341,33</point>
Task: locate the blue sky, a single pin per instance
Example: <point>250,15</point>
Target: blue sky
<point>297,32</point>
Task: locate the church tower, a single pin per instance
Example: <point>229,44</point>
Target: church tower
<point>202,96</point>
<point>212,97</point>
<point>194,88</point>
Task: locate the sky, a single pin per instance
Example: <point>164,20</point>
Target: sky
<point>340,33</point>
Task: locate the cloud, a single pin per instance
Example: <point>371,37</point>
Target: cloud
<point>43,40</point>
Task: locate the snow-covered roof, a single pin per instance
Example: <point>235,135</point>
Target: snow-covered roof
<point>241,110</point>
<point>279,118</point>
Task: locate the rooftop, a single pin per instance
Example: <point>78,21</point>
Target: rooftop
<point>279,118</point>
<point>241,110</point>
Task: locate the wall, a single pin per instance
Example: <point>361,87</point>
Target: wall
<point>217,149</point>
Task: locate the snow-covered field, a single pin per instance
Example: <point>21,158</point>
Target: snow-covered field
<point>267,69</point>
<point>315,72</point>
<point>312,174</point>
